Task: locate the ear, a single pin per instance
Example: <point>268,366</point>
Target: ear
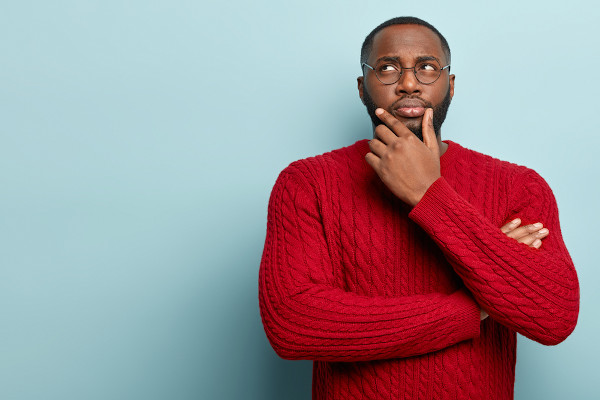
<point>360,81</point>
<point>452,85</point>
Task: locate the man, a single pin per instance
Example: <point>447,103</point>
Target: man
<point>383,259</point>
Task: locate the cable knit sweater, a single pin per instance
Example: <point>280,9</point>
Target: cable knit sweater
<point>385,299</point>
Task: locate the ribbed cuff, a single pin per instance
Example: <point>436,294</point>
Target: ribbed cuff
<point>431,210</point>
<point>468,316</point>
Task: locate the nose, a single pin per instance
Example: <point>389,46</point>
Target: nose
<point>408,82</point>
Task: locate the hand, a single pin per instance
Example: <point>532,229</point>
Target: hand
<point>531,235</point>
<point>406,165</point>
<point>482,314</point>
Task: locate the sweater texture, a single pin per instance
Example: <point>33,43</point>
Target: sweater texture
<point>385,298</point>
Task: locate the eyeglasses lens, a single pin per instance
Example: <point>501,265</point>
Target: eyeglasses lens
<point>426,72</point>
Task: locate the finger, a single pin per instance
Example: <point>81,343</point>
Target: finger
<point>524,230</point>
<point>396,126</point>
<point>511,225</point>
<point>483,314</point>
<point>377,147</point>
<point>429,137</point>
<point>373,161</point>
<point>532,237</point>
<point>384,134</point>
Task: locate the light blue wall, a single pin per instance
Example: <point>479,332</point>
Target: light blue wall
<point>139,142</point>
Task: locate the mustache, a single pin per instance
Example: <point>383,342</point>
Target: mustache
<point>396,103</point>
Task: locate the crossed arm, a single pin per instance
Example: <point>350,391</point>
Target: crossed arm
<point>306,315</point>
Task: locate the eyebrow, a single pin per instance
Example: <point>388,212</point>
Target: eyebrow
<point>397,59</point>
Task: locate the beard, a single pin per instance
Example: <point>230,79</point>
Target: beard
<point>439,113</point>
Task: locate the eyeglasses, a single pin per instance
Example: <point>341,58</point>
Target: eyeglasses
<point>389,72</point>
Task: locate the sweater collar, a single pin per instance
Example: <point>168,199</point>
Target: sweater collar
<point>451,154</point>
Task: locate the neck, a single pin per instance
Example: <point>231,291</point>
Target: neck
<point>443,146</point>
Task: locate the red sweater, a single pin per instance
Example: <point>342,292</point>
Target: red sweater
<point>384,298</point>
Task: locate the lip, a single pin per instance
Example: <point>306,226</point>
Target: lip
<point>409,108</point>
<point>410,112</point>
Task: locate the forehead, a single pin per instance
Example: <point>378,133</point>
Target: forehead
<point>406,42</point>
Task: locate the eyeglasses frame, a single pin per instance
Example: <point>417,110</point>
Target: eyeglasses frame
<point>402,72</point>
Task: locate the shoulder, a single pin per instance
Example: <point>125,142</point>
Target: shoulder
<point>476,159</point>
<point>339,162</point>
<point>518,179</point>
<point>310,180</point>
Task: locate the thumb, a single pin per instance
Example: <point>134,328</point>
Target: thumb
<point>429,137</point>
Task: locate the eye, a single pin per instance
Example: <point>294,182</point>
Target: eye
<point>428,67</point>
<point>387,68</point>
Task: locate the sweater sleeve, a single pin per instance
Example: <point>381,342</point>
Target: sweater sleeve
<point>307,316</point>
<point>532,291</point>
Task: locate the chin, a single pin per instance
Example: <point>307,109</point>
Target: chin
<point>412,125</point>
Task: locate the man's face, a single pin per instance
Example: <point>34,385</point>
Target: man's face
<point>406,98</point>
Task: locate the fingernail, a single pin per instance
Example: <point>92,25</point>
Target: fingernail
<point>538,225</point>
<point>543,231</point>
<point>537,243</point>
<point>515,221</point>
<point>379,111</point>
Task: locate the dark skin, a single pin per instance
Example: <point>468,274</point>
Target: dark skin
<point>408,43</point>
<point>405,164</point>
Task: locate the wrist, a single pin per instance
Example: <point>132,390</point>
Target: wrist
<point>416,198</point>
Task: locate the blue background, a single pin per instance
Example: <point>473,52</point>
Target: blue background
<point>139,144</point>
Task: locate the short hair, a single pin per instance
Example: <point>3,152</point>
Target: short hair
<point>367,46</point>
